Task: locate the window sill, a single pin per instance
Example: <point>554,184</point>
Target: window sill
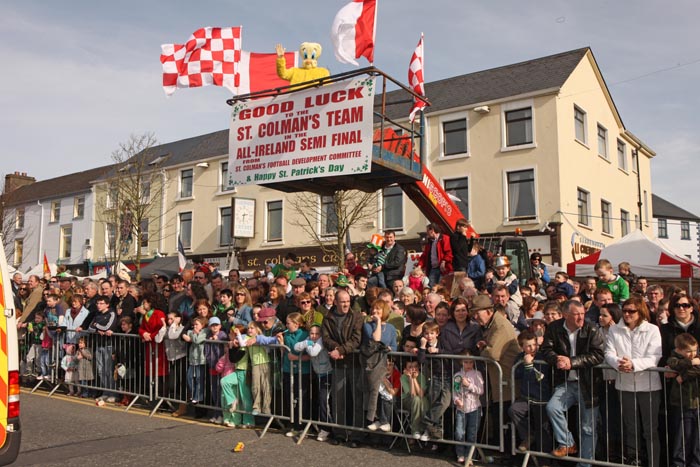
<point>79,218</point>
<point>582,143</point>
<point>510,222</point>
<point>189,198</point>
<point>232,191</point>
<point>272,243</point>
<point>452,157</point>
<point>609,235</point>
<point>606,159</point>
<point>584,226</point>
<point>518,147</point>
<point>623,171</point>
<point>398,231</point>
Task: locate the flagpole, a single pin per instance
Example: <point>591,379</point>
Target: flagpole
<point>374,32</point>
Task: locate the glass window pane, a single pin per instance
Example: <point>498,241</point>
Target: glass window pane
<point>393,208</point>
<point>186,183</point>
<point>580,124</point>
<point>329,219</point>
<point>583,207</point>
<point>602,141</point>
<point>459,190</point>
<point>143,233</point>
<point>274,221</point>
<point>519,127</point>
<point>455,134</point>
<point>225,229</point>
<point>186,230</point>
<point>521,194</point>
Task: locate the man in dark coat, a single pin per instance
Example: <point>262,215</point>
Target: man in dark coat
<point>573,346</point>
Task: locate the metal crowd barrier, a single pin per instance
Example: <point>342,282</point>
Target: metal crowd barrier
<point>123,366</point>
<point>642,434</point>
<point>258,390</point>
<point>335,401</point>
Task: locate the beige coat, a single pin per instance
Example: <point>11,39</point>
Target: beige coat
<point>502,346</point>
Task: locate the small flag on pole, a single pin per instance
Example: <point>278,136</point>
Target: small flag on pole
<point>47,268</point>
<point>353,31</point>
<point>210,56</point>
<point>416,80</point>
<point>182,260</point>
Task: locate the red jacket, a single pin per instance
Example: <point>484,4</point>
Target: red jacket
<point>444,251</point>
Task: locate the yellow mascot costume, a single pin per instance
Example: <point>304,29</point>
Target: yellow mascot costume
<point>310,51</point>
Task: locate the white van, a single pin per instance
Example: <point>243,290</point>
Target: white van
<point>10,433</point>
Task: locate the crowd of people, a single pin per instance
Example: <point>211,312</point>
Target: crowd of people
<point>370,344</point>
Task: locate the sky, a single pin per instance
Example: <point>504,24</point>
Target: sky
<point>79,77</point>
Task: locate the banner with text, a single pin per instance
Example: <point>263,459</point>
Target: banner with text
<point>318,132</point>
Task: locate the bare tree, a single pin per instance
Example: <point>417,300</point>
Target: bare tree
<point>7,222</point>
<point>134,192</point>
<point>328,219</point>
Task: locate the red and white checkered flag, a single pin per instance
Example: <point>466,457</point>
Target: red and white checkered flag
<point>210,56</point>
<point>415,79</point>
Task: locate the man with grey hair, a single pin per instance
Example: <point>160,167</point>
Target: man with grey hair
<point>573,346</point>
<point>431,301</point>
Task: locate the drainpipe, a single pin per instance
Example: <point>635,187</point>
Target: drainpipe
<point>639,191</point>
<point>39,258</point>
<point>161,239</point>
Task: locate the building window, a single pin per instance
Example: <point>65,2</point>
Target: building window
<point>605,210</point>
<point>66,241</point>
<point>186,177</point>
<point>622,155</point>
<point>224,177</point>
<point>392,201</point>
<point>663,229</point>
<point>19,219</point>
<point>78,207</point>
<point>454,137</point>
<point>624,222</point>
<point>458,189</point>
<point>580,125</point>
<point>634,160</point>
<point>519,127</point>
<point>186,230</point>
<point>602,141</point>
<point>685,230</point>
<point>584,207</point>
<point>521,195</point>
<point>225,226</point>
<point>19,252</point>
<point>143,233</point>
<point>329,218</point>
<point>111,236</point>
<point>112,197</point>
<point>55,211</point>
<point>637,222</point>
<point>145,191</point>
<point>274,221</point>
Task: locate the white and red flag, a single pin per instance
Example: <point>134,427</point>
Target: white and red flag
<point>258,71</point>
<point>415,79</point>
<point>210,56</point>
<point>353,31</point>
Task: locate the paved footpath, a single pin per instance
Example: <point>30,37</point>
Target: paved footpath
<point>68,431</point>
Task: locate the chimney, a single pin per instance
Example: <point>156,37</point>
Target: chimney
<point>16,180</point>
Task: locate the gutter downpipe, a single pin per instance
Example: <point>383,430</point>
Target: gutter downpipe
<point>161,237</point>
<point>39,259</point>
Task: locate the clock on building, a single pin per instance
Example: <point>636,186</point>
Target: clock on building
<point>243,218</point>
